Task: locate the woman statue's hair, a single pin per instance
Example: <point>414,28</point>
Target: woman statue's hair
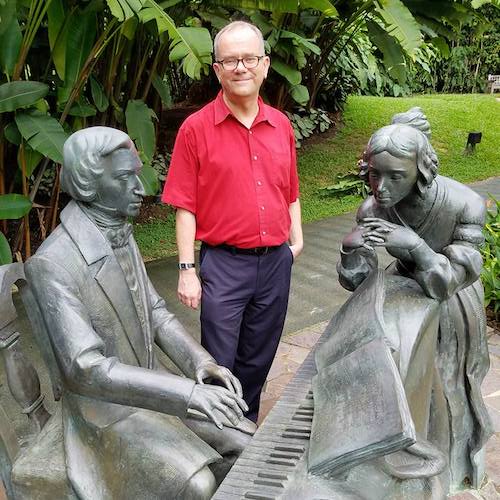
<point>83,152</point>
<point>407,137</point>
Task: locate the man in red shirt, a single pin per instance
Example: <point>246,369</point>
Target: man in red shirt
<point>233,179</point>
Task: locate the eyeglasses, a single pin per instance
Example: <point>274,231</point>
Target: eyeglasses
<point>249,62</point>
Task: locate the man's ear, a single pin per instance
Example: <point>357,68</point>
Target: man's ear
<point>217,70</point>
<point>267,62</point>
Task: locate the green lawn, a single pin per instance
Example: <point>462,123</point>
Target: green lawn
<point>451,118</point>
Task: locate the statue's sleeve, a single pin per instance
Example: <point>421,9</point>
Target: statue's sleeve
<point>173,338</point>
<point>79,350</point>
<point>459,264</point>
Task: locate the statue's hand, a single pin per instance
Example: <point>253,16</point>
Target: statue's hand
<point>220,373</point>
<point>380,232</point>
<point>356,240</point>
<point>208,398</point>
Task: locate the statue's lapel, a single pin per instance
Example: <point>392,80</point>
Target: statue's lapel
<point>107,272</point>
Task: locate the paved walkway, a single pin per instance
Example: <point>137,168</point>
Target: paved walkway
<point>315,297</point>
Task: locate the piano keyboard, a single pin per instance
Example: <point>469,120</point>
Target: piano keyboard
<point>278,448</point>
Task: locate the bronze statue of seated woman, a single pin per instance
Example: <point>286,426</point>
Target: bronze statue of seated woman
<point>427,308</point>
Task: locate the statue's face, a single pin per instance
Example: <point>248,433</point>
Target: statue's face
<point>391,179</point>
<point>119,187</point>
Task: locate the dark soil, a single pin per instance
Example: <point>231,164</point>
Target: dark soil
<point>493,320</point>
<point>151,210</point>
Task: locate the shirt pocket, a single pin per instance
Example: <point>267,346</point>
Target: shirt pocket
<point>280,169</point>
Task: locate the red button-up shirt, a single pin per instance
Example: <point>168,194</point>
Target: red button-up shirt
<point>238,182</point>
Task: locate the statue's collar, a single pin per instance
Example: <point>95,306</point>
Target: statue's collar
<point>84,233</point>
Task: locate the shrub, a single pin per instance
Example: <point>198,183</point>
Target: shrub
<point>490,274</point>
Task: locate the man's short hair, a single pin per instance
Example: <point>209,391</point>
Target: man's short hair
<point>82,155</point>
<point>238,25</point>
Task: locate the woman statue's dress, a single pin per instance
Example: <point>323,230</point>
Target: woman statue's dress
<point>452,228</point>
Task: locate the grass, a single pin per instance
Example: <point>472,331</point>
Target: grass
<point>451,118</point>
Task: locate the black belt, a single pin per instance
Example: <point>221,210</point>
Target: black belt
<point>245,251</point>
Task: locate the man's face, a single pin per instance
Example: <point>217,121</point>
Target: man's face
<point>241,82</point>
<point>119,187</point>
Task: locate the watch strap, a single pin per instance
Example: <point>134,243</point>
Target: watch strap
<point>186,265</point>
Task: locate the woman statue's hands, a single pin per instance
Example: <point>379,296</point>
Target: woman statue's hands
<point>379,232</point>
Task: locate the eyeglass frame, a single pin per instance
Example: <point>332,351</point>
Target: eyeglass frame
<point>238,60</point>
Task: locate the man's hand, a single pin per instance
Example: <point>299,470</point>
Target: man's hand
<point>220,373</point>
<point>208,398</point>
<point>189,288</point>
<point>296,250</point>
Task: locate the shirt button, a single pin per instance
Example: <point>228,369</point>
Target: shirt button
<point>255,157</point>
<point>250,132</point>
<point>264,233</point>
<point>262,208</point>
<point>259,183</point>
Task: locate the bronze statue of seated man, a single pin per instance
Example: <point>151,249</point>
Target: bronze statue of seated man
<point>131,429</point>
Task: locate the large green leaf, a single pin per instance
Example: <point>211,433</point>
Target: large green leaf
<point>82,109</point>
<point>161,86</point>
<point>10,44</point>
<point>57,28</point>
<point>285,70</point>
<point>12,134</point>
<point>14,95</point>
<point>124,9</point>
<point>400,24</point>
<point>306,44</point>
<point>43,133</point>
<point>139,119</point>
<point>14,206</point>
<point>31,158</point>
<point>300,94</point>
<point>149,178</point>
<point>7,13</point>
<point>194,47</point>
<point>323,6</point>
<point>394,59</point>
<point>5,253</point>
<point>79,41</point>
<point>100,99</point>
<point>290,6</point>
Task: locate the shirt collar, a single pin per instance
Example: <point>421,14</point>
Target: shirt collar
<point>222,111</point>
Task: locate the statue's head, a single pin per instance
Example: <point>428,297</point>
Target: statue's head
<point>101,168</point>
<point>399,159</point>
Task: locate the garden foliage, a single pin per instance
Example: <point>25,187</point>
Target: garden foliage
<point>490,274</point>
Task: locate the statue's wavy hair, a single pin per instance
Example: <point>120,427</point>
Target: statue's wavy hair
<point>407,137</point>
<point>82,154</point>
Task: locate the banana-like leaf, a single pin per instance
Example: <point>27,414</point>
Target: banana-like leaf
<point>291,74</point>
<point>80,38</point>
<point>139,119</point>
<point>304,43</point>
<point>10,45</point>
<point>149,179</point>
<point>43,133</point>
<point>194,47</point>
<point>300,94</point>
<point>82,110</point>
<point>323,6</point>
<point>400,24</point>
<point>12,134</point>
<point>100,99</point>
<point>7,13</point>
<point>57,28</point>
<point>31,158</point>
<point>5,253</point>
<point>287,6</point>
<point>442,45</point>
<point>14,95</point>
<point>14,206</point>
<point>394,59</point>
<point>163,89</point>
<point>124,9</point>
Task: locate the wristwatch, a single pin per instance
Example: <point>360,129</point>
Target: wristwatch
<point>186,265</point>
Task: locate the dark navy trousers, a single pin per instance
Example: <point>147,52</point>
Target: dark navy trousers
<point>243,307</point>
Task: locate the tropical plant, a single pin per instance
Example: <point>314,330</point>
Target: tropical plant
<point>306,123</point>
<point>67,64</point>
<point>490,274</point>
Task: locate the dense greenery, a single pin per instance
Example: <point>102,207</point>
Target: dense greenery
<point>490,274</point>
<point>451,118</point>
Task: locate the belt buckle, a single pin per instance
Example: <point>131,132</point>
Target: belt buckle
<point>263,250</point>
